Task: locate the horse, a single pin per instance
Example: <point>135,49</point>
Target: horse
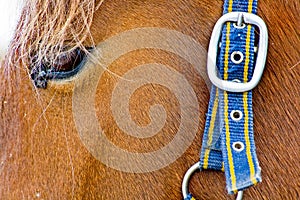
<point>131,94</point>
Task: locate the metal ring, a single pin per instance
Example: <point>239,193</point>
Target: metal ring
<point>188,175</point>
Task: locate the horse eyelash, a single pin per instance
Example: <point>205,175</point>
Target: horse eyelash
<point>65,66</point>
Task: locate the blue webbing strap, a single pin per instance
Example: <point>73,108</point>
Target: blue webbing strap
<point>228,142</point>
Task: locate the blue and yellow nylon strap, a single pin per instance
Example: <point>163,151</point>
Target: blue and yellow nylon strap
<point>228,140</point>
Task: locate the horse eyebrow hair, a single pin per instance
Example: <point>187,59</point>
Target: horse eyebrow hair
<point>44,33</point>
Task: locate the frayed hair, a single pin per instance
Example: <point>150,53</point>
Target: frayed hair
<point>50,28</point>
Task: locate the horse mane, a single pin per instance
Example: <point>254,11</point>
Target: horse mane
<point>49,28</point>
<point>46,29</point>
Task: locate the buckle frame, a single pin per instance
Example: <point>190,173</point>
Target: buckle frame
<point>231,86</point>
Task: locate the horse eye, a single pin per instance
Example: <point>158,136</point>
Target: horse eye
<point>64,66</point>
<point>69,61</point>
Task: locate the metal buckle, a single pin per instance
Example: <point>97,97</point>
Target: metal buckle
<point>231,86</point>
<point>187,176</point>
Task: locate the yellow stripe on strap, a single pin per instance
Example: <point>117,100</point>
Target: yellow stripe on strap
<point>211,129</point>
<point>226,115</point>
<point>226,56</point>
<point>250,6</point>
<point>230,6</point>
<point>228,146</point>
<point>245,101</point>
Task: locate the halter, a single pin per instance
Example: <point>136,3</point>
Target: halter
<point>235,67</point>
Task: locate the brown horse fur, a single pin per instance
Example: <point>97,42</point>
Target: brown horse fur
<point>41,154</point>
